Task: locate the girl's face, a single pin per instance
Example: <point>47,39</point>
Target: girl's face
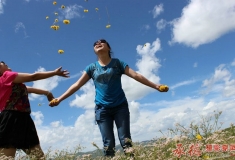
<point>3,68</point>
<point>101,46</point>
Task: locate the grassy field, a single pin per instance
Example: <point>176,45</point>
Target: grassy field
<point>205,140</point>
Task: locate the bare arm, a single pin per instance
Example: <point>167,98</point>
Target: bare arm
<point>72,89</point>
<point>27,77</point>
<point>41,92</point>
<point>140,78</point>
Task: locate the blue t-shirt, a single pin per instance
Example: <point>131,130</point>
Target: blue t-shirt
<point>107,81</point>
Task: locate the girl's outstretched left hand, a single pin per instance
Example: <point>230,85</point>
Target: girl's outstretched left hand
<point>54,102</point>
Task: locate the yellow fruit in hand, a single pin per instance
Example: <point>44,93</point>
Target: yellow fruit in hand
<point>54,101</point>
<point>164,88</point>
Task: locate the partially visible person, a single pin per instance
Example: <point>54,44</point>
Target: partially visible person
<point>110,100</point>
<point>17,129</point>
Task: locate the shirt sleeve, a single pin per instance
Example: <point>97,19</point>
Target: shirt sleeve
<point>8,77</point>
<point>88,70</point>
<point>123,66</point>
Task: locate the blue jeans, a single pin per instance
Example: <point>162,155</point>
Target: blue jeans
<point>105,118</point>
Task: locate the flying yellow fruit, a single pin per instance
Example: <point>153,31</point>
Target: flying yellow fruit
<point>108,26</point>
<point>96,9</point>
<point>60,51</point>
<point>54,2</point>
<point>66,21</point>
<point>85,10</point>
<point>47,17</point>
<point>62,6</point>
<point>56,20</point>
<point>56,13</point>
<point>164,88</point>
<point>55,27</point>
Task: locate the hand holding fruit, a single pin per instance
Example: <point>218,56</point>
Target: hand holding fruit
<point>163,88</point>
<point>54,102</point>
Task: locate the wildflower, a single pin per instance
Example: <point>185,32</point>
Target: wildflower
<point>47,17</point>
<point>55,27</point>
<point>199,137</point>
<point>54,2</point>
<point>94,144</point>
<point>62,6</point>
<point>108,26</point>
<point>66,21</point>
<point>205,157</point>
<point>60,51</point>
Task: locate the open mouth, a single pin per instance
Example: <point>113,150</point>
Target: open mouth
<point>98,46</point>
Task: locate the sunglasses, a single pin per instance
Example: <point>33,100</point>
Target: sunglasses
<point>100,41</point>
<point>2,62</point>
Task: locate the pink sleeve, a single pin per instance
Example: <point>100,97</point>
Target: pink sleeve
<point>8,77</point>
<point>6,86</point>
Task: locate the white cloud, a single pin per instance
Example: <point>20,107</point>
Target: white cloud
<point>188,82</point>
<point>203,22</point>
<point>147,65</point>
<point>88,94</point>
<point>47,84</point>
<point>70,12</point>
<point>233,63</point>
<point>221,74</point>
<point>220,82</point>
<point>56,124</point>
<point>2,3</point>
<point>38,118</point>
<point>195,65</point>
<point>146,27</point>
<point>161,24</point>
<point>20,25</point>
<point>158,9</point>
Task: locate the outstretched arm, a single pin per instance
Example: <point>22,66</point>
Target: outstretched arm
<point>41,92</point>
<point>27,77</point>
<point>72,89</point>
<point>140,78</point>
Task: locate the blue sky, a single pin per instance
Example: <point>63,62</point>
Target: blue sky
<point>188,45</point>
